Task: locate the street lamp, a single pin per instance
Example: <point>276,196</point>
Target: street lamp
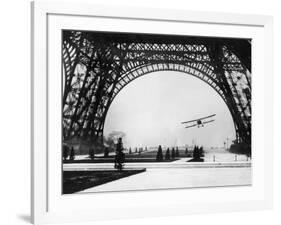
<point>227,143</point>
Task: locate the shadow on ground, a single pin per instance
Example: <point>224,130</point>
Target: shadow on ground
<point>75,181</point>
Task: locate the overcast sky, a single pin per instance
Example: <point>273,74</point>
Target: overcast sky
<point>150,110</point>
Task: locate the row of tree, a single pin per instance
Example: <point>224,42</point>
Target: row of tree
<point>137,150</point>
<point>197,153</point>
<point>92,153</point>
<point>106,152</point>
<point>169,154</point>
<point>68,153</point>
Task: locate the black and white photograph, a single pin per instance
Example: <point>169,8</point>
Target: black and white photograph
<point>145,111</point>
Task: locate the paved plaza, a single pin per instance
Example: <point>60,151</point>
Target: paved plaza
<point>158,178</point>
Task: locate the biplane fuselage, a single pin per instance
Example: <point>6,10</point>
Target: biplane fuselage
<point>199,122</point>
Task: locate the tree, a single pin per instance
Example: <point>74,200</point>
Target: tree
<point>111,138</point>
<point>196,153</point>
<point>130,151</point>
<point>119,156</point>
<point>92,153</point>
<point>145,149</point>
<point>136,150</point>
<point>167,155</point>
<point>186,151</point>
<point>159,156</point>
<point>173,153</point>
<point>65,152</point>
<point>177,152</point>
<point>72,154</point>
<point>201,151</point>
<point>106,152</point>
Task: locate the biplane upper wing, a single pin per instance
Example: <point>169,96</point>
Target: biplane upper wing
<point>190,121</point>
<point>206,117</point>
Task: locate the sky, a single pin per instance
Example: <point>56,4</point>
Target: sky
<point>150,109</point>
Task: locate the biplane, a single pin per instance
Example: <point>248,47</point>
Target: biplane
<point>199,122</point>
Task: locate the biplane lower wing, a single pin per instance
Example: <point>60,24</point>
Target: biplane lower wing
<point>191,126</point>
<point>208,121</point>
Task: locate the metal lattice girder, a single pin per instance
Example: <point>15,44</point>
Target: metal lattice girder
<point>97,65</point>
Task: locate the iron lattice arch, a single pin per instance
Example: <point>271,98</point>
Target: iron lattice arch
<point>98,65</point>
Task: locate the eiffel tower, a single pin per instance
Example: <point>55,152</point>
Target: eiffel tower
<point>98,65</point>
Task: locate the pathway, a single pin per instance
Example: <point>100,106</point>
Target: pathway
<point>160,178</point>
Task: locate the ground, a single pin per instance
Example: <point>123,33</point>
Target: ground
<point>219,168</point>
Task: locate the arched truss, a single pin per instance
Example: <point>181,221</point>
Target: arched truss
<point>97,66</point>
<point>202,73</point>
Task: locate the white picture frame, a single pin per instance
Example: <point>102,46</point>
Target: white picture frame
<point>46,205</point>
